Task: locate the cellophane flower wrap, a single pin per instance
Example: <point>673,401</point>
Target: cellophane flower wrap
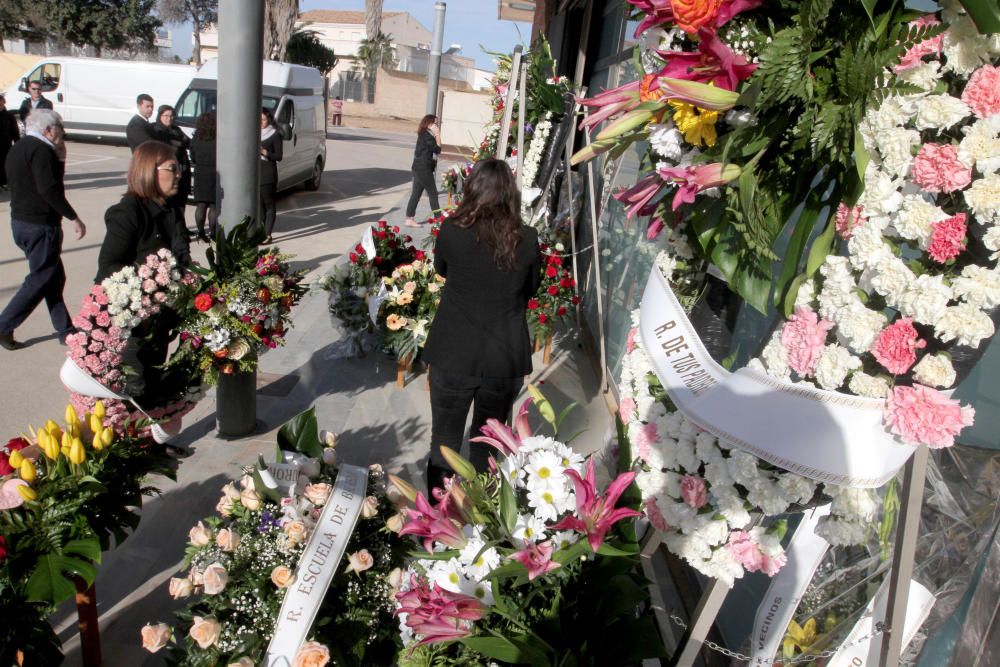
<point>406,314</point>
<point>113,320</point>
<point>239,563</point>
<point>536,526</point>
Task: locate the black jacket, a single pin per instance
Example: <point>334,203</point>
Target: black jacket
<point>136,229</point>
<point>425,154</point>
<point>273,147</point>
<point>174,136</point>
<point>480,328</point>
<point>203,158</point>
<point>35,176</point>
<point>138,131</point>
<point>43,103</point>
<point>8,130</point>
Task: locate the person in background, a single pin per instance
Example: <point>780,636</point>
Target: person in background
<point>336,111</point>
<point>203,157</point>
<point>138,130</point>
<point>36,167</point>
<point>165,131</point>
<point>478,348</point>
<point>8,135</point>
<point>425,157</point>
<point>270,153</point>
<point>35,100</point>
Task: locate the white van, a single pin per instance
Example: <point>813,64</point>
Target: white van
<point>96,96</point>
<point>297,96</point>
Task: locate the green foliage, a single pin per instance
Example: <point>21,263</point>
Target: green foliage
<point>301,434</point>
<point>103,24</point>
<point>305,48</point>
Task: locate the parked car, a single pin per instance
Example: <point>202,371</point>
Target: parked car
<point>297,96</point>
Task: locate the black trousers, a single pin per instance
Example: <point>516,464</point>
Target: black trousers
<point>423,179</point>
<point>42,245</point>
<point>451,398</point>
<point>268,191</point>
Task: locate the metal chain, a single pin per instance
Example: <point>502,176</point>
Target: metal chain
<point>879,629</point>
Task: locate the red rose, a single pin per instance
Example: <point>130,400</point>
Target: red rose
<point>354,258</point>
<point>408,238</point>
<point>377,260</point>
<point>391,243</point>
<point>565,282</point>
<point>532,304</point>
<point>5,467</point>
<point>551,272</point>
<point>420,254</point>
<point>382,224</point>
<point>17,444</point>
<point>435,231</point>
<point>203,302</point>
<point>395,229</point>
<point>359,248</point>
<point>543,246</point>
<point>543,318</point>
<point>382,234</point>
<point>553,289</point>
<point>561,311</point>
<point>575,299</point>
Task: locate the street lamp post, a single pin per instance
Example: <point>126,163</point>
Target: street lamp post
<point>434,64</point>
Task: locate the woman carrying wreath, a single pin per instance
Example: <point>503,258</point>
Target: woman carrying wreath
<point>478,348</point>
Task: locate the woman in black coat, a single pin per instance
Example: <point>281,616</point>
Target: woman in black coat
<point>425,156</point>
<point>203,159</point>
<point>478,347</point>
<point>164,130</point>
<point>270,154</point>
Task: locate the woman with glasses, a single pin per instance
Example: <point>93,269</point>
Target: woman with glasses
<point>164,130</point>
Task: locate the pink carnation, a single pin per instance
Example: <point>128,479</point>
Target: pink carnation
<point>804,335</point>
<point>748,554</point>
<point>920,415</point>
<point>936,168</point>
<point>847,219</point>
<point>655,516</point>
<point>630,340</point>
<point>947,238</point>
<point>928,47</point>
<point>103,319</point>
<point>982,92</point>
<point>626,409</point>
<point>896,347</point>
<point>693,491</point>
<point>645,438</point>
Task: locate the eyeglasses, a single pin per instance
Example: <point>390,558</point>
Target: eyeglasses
<point>34,89</point>
<point>172,168</point>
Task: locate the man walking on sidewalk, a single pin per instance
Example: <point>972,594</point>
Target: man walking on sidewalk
<point>35,169</point>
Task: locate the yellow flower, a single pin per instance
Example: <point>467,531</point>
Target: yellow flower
<point>99,411</point>
<point>95,424</point>
<point>70,414</point>
<point>77,454</point>
<point>15,459</point>
<point>27,492</point>
<point>107,436</point>
<point>696,124</point>
<point>799,637</point>
<point>27,471</point>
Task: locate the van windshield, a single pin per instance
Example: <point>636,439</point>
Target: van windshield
<point>196,101</point>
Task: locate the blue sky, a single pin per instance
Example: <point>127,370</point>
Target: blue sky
<point>470,23</point>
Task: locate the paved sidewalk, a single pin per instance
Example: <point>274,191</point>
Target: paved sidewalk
<point>357,398</point>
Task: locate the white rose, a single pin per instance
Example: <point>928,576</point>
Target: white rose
<point>983,198</point>
<point>318,494</point>
<point>155,637</point>
<point>868,386</point>
<point>978,286</point>
<point>251,499</point>
<point>965,324</point>
<point>935,370</point>
<point>369,508</point>
<point>833,365</point>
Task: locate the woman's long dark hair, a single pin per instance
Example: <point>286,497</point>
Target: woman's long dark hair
<point>426,122</point>
<point>204,129</point>
<point>492,204</point>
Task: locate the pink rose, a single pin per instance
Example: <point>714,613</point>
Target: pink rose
<point>369,508</point>
<point>318,494</point>
<point>155,637</point>
<point>215,578</point>
<point>804,336</point>
<point>693,491</point>
<point>227,539</point>
<point>936,168</point>
<point>947,238</point>
<point>896,346</point>
<point>847,219</point>
<point>312,654</point>
<point>359,561</point>
<point>982,92</point>
<point>914,56</point>
<point>626,409</point>
<point>920,415</point>
<point>282,576</point>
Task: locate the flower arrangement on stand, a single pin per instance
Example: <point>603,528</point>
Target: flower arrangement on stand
<point>115,319</point>
<point>239,564</point>
<point>242,306</point>
<point>405,317</point>
<point>67,493</point>
<point>511,557</point>
<point>555,298</point>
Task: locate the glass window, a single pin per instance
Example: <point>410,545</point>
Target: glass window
<point>47,75</point>
<point>285,116</point>
<point>196,101</point>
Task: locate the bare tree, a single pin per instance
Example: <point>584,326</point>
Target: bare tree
<point>202,14</point>
<point>279,24</point>
<point>373,18</point>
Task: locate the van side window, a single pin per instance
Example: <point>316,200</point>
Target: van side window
<point>47,75</point>
<point>286,115</point>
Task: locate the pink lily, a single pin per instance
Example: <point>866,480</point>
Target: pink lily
<point>433,524</point>
<point>536,558</point>
<point>714,61</point>
<point>659,12</point>
<point>436,614</point>
<point>500,436</point>
<point>521,425</point>
<point>596,515</point>
<point>638,196</point>
<point>656,225</point>
<point>701,95</point>
<point>693,179</point>
<point>610,103</point>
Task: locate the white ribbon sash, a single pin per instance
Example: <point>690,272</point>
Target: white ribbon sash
<point>375,302</point>
<point>824,435</point>
<point>805,552</point>
<point>368,243</point>
<point>317,566</point>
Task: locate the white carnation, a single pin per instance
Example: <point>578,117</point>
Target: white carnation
<point>991,239</point>
<point>935,370</point>
<point>666,140</point>
<point>895,144</point>
<point>858,326</point>
<point>775,358</point>
<point>839,532</point>
<point>869,386</point>
<point>915,219</point>
<point>866,247</point>
<point>881,195</point>
<point>798,489</point>
<point>983,197</point>
<point>964,48</point>
<point>891,278</point>
<point>981,146</point>
<point>924,75</point>
<point>833,365</point>
<point>925,299</point>
<point>978,286</point>
<point>964,324</point>
<point>806,294</point>
<point>939,112</point>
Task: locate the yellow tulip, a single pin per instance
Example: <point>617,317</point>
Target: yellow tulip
<point>97,444</point>
<point>67,442</point>
<point>27,471</point>
<point>49,446</point>
<point>53,428</point>
<point>99,410</point>
<point>95,424</point>
<point>40,434</point>
<point>26,492</point>
<point>77,454</point>
<point>15,459</point>
<point>70,414</point>
<point>107,436</point>
<point>73,428</point>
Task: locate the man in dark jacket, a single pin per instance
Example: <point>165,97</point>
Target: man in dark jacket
<point>37,206</point>
<point>139,129</point>
<point>35,101</point>
<point>8,135</point>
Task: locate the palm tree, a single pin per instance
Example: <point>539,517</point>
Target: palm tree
<point>374,53</point>
<point>373,18</point>
<point>279,23</point>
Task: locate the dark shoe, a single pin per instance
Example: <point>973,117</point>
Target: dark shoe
<point>7,342</point>
<point>269,240</point>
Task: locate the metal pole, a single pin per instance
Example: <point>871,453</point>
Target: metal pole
<point>522,112</point>
<point>434,65</point>
<point>241,54</point>
<point>515,69</point>
<point>568,175</point>
<point>594,213</point>
<point>701,622</point>
<point>907,530</point>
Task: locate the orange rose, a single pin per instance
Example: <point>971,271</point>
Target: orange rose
<point>690,15</point>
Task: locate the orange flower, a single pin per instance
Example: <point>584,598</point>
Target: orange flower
<point>691,15</point>
<point>645,94</point>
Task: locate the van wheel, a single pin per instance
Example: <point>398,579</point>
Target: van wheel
<point>317,175</point>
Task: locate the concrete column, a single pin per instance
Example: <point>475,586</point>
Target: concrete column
<point>241,32</point>
<point>434,64</point>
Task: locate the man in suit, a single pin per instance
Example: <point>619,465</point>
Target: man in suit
<point>35,101</point>
<point>139,129</point>
<point>35,167</point>
<point>8,135</point>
